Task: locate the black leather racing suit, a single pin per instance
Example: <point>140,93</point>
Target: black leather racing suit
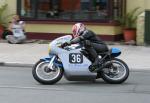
<point>92,44</point>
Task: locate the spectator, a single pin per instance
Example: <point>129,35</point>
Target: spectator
<point>16,34</point>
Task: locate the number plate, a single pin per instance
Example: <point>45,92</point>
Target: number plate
<point>75,58</point>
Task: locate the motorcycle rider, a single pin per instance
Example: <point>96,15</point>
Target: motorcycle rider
<point>91,43</point>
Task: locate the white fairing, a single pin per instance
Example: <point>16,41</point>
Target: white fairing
<point>61,40</point>
<point>54,45</point>
<point>74,62</point>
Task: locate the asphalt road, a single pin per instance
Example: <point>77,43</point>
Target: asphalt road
<point>18,86</point>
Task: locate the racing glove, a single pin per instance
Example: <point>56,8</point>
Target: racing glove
<point>65,44</point>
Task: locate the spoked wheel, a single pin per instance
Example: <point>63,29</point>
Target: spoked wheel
<point>45,75</point>
<point>117,73</point>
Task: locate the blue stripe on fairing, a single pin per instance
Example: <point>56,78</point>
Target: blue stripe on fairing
<point>48,58</point>
<point>115,50</point>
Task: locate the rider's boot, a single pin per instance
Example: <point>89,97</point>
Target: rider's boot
<point>97,65</point>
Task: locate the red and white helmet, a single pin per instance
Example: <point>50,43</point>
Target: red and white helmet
<point>77,29</point>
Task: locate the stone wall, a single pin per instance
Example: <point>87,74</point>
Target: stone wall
<point>140,29</point>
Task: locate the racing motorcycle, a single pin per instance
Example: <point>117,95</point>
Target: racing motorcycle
<point>73,63</point>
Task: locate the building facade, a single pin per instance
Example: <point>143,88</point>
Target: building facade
<point>47,19</point>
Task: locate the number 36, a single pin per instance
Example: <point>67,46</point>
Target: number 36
<point>75,58</point>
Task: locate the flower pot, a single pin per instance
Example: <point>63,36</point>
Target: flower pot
<point>129,35</point>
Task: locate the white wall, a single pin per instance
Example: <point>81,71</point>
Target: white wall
<point>131,4</point>
<point>147,4</point>
<point>12,6</point>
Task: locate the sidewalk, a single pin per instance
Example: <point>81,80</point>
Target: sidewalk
<point>137,57</point>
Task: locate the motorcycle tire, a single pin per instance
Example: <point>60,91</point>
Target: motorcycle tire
<point>45,81</point>
<point>107,78</point>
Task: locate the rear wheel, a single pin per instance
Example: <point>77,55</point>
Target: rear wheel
<point>45,75</point>
<point>117,73</point>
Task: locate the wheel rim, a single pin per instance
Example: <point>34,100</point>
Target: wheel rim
<point>44,74</point>
<point>117,72</point>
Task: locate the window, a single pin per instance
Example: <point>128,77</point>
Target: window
<point>71,10</point>
<point>27,8</point>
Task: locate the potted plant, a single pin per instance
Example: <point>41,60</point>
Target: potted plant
<point>128,22</point>
<point>3,18</point>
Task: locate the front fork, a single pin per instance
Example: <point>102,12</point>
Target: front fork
<point>51,63</point>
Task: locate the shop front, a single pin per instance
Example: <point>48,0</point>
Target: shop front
<point>47,19</point>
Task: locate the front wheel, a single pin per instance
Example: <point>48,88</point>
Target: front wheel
<point>116,73</point>
<point>44,75</point>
